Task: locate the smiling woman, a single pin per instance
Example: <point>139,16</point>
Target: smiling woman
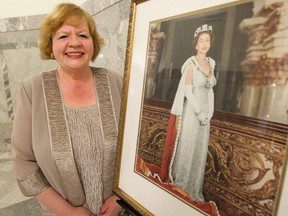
<point>65,125</point>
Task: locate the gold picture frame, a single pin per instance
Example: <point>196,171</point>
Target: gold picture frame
<point>243,133</point>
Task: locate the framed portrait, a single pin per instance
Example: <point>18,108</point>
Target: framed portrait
<point>204,119</point>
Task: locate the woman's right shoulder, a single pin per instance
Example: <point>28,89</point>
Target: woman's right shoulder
<point>190,59</point>
<point>33,81</point>
<point>188,63</point>
<point>32,78</point>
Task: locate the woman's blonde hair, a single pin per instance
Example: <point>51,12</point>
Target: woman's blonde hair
<point>53,21</point>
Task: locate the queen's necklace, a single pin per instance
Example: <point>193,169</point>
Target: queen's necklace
<point>203,64</point>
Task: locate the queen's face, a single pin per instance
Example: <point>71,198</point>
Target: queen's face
<point>73,46</point>
<point>203,43</point>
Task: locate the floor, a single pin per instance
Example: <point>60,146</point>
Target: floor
<point>12,202</point>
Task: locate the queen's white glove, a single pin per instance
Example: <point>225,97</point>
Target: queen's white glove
<point>191,99</point>
<point>202,119</point>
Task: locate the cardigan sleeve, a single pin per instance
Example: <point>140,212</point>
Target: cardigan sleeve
<point>29,176</point>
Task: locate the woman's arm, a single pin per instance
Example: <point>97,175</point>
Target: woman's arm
<point>210,104</point>
<point>59,206</point>
<point>30,178</point>
<point>189,90</point>
<point>191,99</point>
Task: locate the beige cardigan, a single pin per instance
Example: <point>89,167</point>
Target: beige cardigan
<point>42,152</point>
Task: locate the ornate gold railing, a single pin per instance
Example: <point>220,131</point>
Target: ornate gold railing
<point>245,158</point>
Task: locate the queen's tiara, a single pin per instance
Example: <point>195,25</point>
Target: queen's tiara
<point>204,27</point>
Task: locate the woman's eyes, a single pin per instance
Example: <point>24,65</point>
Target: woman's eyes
<point>62,36</point>
<point>80,35</point>
<point>202,41</point>
<point>83,36</point>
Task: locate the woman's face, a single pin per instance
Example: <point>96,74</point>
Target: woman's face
<point>203,43</point>
<point>73,46</point>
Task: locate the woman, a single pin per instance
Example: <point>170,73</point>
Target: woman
<point>194,105</point>
<point>65,126</point>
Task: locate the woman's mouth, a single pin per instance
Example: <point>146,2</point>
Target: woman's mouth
<point>75,54</point>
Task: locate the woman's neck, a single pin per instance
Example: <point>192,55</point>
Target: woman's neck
<point>80,75</point>
<point>201,57</point>
<point>77,89</point>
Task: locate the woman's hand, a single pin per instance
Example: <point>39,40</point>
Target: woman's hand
<point>209,116</point>
<point>202,119</point>
<point>57,204</point>
<point>110,207</point>
<point>81,211</point>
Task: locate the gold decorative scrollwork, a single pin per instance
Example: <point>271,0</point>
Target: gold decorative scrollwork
<point>244,162</point>
<point>152,137</point>
<point>245,168</point>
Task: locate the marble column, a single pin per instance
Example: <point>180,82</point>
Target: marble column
<point>265,90</point>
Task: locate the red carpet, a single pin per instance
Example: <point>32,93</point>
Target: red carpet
<point>207,207</point>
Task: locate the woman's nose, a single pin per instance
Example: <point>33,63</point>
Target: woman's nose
<point>74,41</point>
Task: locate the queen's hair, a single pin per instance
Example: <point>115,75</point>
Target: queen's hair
<point>195,39</point>
<point>54,20</point>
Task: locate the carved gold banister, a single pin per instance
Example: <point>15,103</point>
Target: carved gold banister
<point>245,158</point>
